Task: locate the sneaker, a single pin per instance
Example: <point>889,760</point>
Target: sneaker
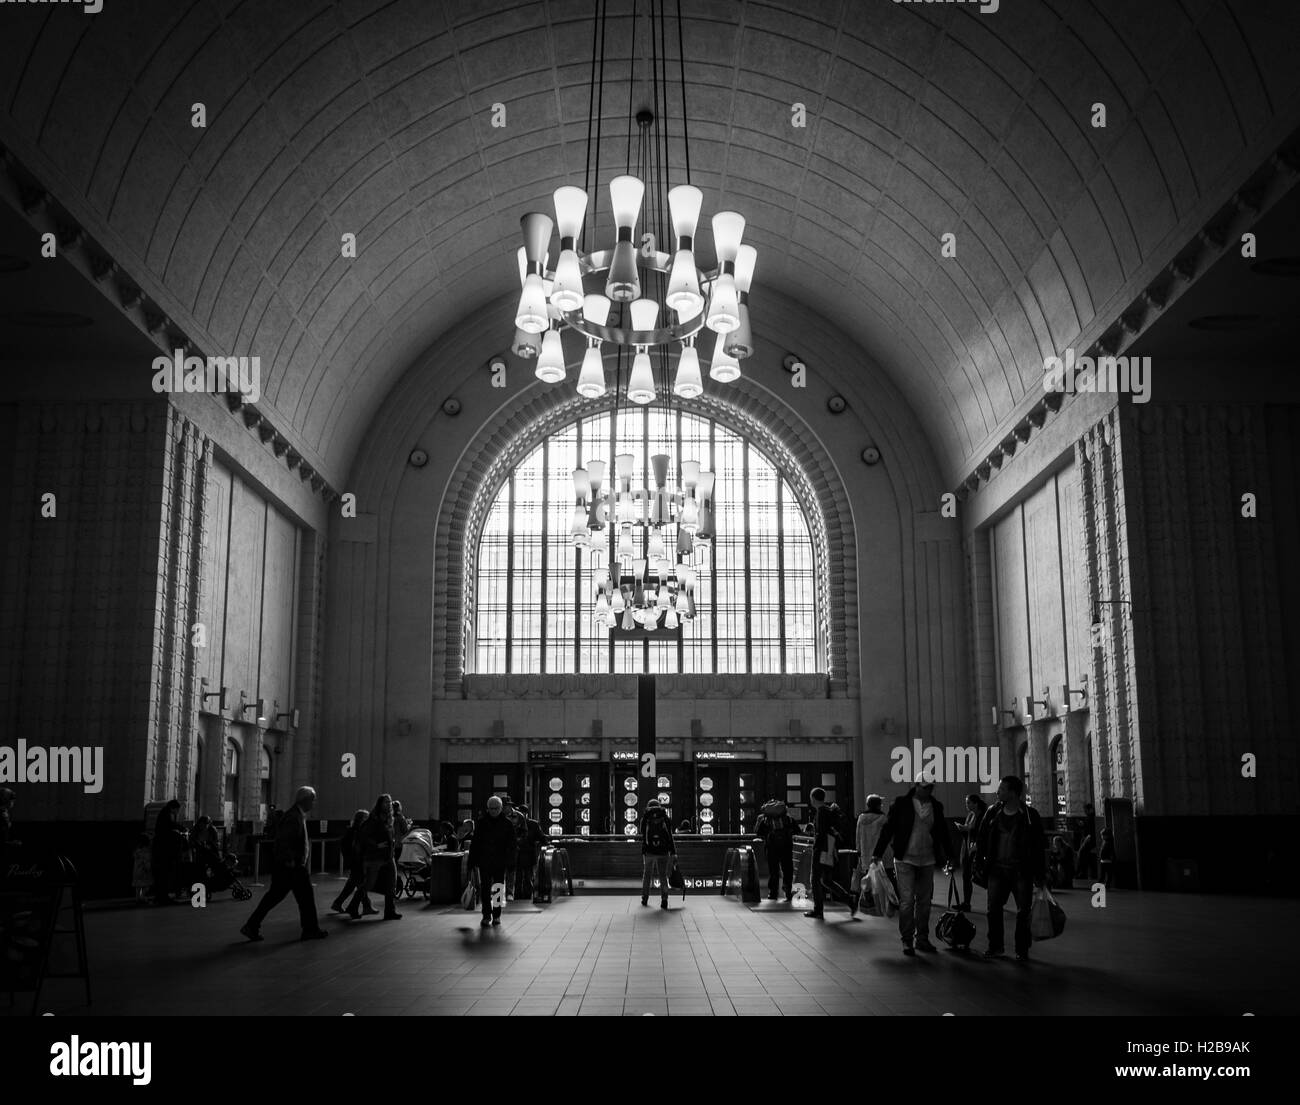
<point>925,946</point>
<point>394,916</point>
<point>771,897</point>
<point>991,954</point>
<point>908,949</point>
<point>484,923</point>
<point>815,914</point>
<point>252,933</point>
<point>315,934</point>
<point>496,921</point>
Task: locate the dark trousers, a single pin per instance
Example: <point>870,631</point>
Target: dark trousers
<point>967,874</point>
<point>1004,882</point>
<point>525,865</point>
<point>487,876</point>
<point>824,883</point>
<point>780,868</point>
<point>286,881</point>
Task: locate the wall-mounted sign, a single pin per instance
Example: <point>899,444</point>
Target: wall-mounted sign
<point>706,783</point>
<point>706,815</point>
<point>557,816</point>
<point>629,815</point>
<point>706,799</point>
<point>664,797</point>
<point>629,799</point>
<point>555,799</point>
<point>664,783</point>
<point>705,757</point>
<point>552,755</point>
<point>629,783</point>
<point>555,830</point>
<point>618,757</point>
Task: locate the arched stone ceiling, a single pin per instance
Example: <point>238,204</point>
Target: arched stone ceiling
<point>374,117</point>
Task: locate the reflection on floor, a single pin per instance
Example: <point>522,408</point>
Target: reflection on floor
<point>1143,954</point>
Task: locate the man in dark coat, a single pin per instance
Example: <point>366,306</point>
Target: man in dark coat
<point>916,830</point>
<point>775,829</point>
<point>1010,852</point>
<point>492,852</point>
<point>290,875</point>
<point>658,852</point>
<point>167,846</point>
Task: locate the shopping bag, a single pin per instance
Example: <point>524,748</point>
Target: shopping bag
<point>954,928</point>
<point>676,880</point>
<point>882,890</point>
<point>469,896</point>
<point>855,883</point>
<point>1046,918</point>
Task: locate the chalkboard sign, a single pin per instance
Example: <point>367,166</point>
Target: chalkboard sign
<point>32,893</point>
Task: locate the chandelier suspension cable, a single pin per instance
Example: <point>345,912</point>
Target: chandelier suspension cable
<point>681,63</point>
<point>591,103</point>
<point>600,115</point>
<point>631,87</point>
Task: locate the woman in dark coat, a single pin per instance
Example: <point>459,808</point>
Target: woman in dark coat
<point>351,849</point>
<point>378,855</point>
<point>167,841</point>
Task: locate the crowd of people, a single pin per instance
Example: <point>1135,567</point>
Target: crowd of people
<point>1002,847</point>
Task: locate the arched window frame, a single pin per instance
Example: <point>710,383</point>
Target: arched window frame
<point>648,434</point>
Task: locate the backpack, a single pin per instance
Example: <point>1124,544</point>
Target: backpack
<point>777,831</point>
<point>841,825</point>
<point>656,836</point>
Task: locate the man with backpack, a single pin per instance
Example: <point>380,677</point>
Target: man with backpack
<point>658,852</point>
<point>776,830</point>
<point>829,833</point>
<point>916,830</point>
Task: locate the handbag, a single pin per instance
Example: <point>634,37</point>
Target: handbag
<point>469,896</point>
<point>882,890</point>
<point>379,876</point>
<point>954,928</point>
<point>676,880</point>
<point>1046,918</point>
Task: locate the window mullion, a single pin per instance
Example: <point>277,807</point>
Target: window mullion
<point>546,522</point>
<point>749,604</point>
<point>510,572</point>
<point>780,567</point>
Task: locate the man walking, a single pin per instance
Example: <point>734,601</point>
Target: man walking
<point>290,874</point>
<point>827,837</point>
<point>492,852</point>
<point>775,829</point>
<point>658,851</point>
<point>1010,850</point>
<point>916,830</point>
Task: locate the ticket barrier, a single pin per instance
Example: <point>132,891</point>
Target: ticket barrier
<point>552,875</point>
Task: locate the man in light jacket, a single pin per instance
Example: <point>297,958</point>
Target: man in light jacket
<point>916,830</point>
<point>289,874</point>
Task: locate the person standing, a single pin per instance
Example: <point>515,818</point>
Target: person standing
<point>827,838</point>
<point>658,851</point>
<point>870,822</point>
<point>351,851</point>
<point>529,839</point>
<point>167,842</point>
<point>776,830</point>
<point>401,823</point>
<point>492,853</point>
<point>1010,851</point>
<point>290,874</point>
<point>916,830</point>
<point>975,807</point>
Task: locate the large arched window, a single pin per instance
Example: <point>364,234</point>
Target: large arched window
<point>755,596</point>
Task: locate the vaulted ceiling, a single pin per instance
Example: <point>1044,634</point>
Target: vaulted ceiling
<point>375,117</point>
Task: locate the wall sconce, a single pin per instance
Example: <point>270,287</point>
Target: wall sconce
<point>292,715</point>
<point>1066,692</point>
<point>221,695</point>
<point>259,706</point>
<point>999,714</point>
<point>1031,702</point>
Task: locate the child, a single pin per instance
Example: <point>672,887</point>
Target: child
<point>142,869</point>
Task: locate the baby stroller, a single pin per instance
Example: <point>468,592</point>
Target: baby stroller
<point>220,872</point>
<point>415,864</point>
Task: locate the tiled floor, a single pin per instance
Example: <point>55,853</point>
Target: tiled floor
<point>1143,954</point>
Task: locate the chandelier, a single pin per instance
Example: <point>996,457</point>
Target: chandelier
<point>655,585</point>
<point>635,297</point>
